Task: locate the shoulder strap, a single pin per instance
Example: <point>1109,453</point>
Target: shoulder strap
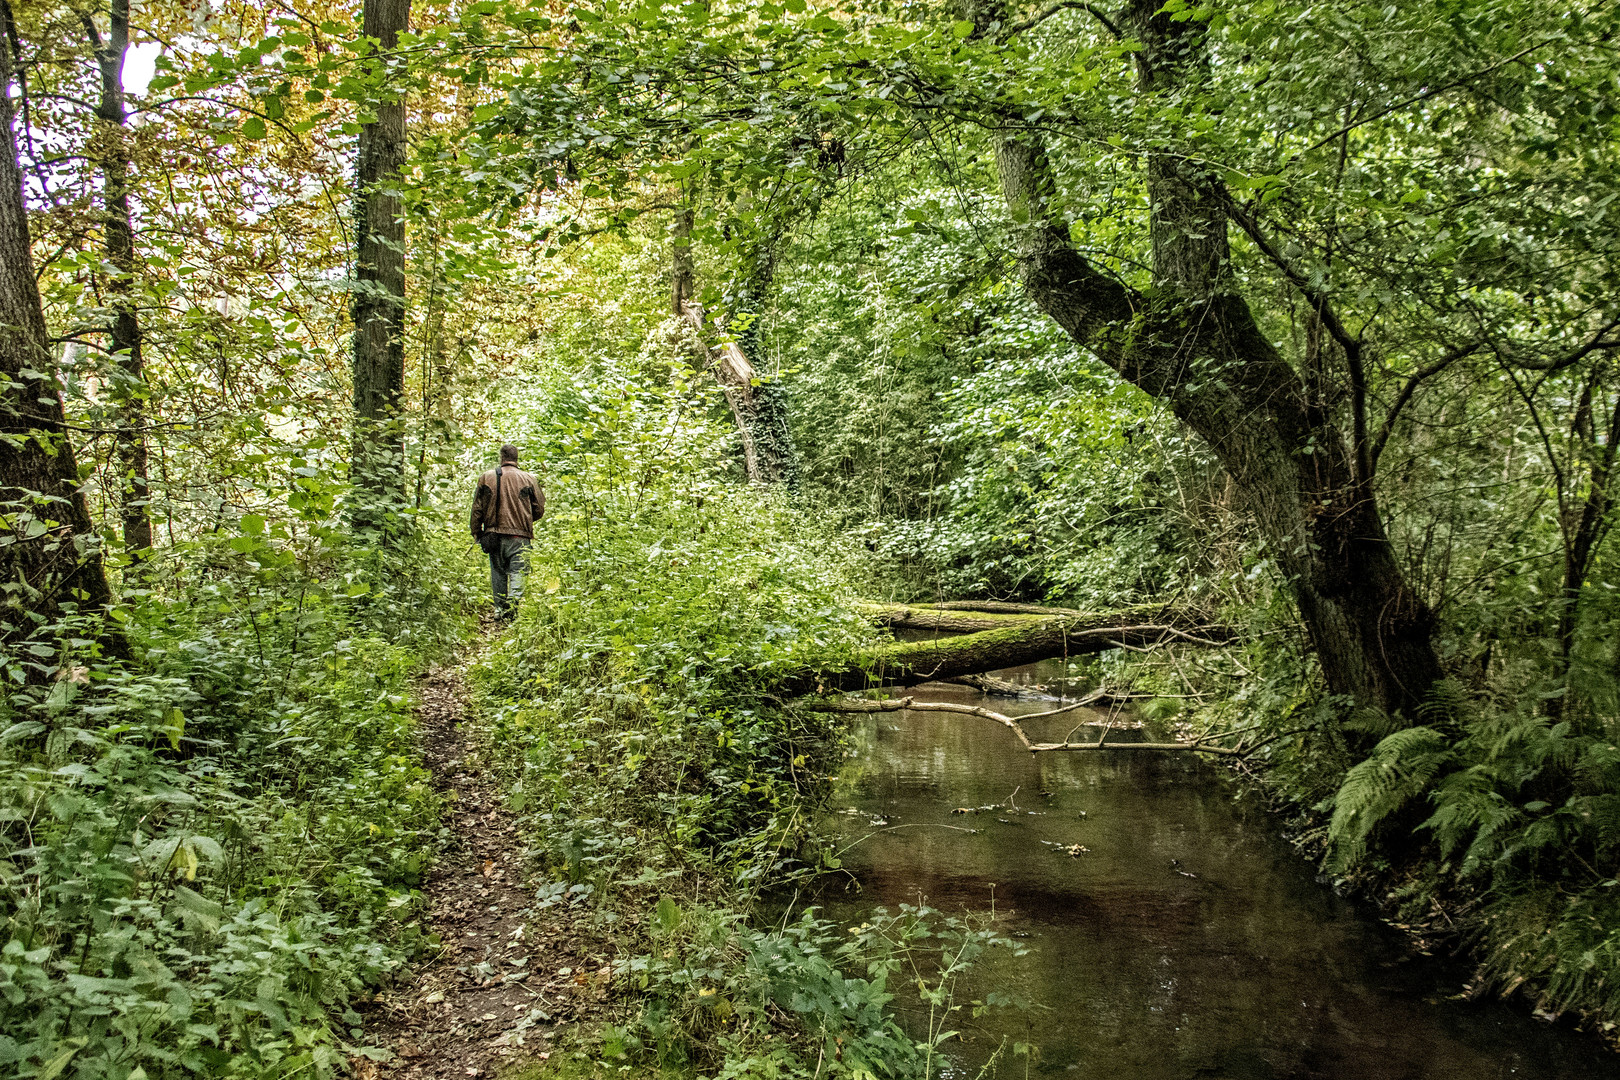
<point>495,517</point>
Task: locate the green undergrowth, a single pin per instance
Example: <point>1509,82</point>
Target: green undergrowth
<point>713,995</point>
<point>209,850</point>
<point>628,716</point>
<point>1519,819</point>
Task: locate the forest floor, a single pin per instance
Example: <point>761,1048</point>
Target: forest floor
<point>505,975</point>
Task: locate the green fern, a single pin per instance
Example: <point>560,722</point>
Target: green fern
<point>1471,810</point>
<point>1400,768</point>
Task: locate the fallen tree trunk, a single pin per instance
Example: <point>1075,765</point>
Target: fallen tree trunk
<point>998,607</point>
<point>906,617</point>
<point>995,687</point>
<point>953,618</point>
<point>907,663</point>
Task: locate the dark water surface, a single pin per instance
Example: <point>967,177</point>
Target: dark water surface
<point>1189,940</point>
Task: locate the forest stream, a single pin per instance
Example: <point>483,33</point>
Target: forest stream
<point>1184,938</point>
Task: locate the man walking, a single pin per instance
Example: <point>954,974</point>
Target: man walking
<point>505,507</point>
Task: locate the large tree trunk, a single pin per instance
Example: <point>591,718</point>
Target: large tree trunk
<point>1194,343</point>
<point>378,458</point>
<point>111,152</point>
<point>49,557</point>
<point>1026,641</point>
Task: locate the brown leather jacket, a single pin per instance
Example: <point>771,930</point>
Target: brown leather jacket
<point>523,502</point>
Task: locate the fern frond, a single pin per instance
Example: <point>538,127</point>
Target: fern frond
<point>1400,768</point>
<point>1469,809</point>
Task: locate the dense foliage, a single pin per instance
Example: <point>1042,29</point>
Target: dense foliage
<point>1335,310</point>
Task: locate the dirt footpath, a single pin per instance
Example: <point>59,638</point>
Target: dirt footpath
<point>506,975</point>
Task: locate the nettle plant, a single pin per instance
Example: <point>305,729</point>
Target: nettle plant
<point>210,847</point>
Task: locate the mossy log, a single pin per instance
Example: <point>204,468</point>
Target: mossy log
<point>953,618</point>
<point>998,607</point>
<point>1025,641</point>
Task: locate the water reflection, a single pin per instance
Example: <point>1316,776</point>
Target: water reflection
<point>1185,940</point>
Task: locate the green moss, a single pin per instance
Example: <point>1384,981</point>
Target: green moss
<point>587,1065</point>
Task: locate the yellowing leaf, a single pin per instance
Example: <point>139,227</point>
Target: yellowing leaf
<point>174,726</point>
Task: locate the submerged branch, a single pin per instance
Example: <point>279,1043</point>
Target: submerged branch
<point>995,687</point>
<point>874,705</point>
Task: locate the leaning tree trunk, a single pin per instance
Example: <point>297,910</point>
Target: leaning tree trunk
<point>111,151</point>
<point>49,558</point>
<point>773,438</point>
<point>1194,343</point>
<point>377,461</point>
<point>757,407</point>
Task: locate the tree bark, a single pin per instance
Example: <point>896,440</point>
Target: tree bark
<point>907,663</point>
<point>112,157</point>
<point>756,407</point>
<point>1194,343</point>
<point>683,278</point>
<point>49,557</point>
<point>958,620</point>
<point>377,461</point>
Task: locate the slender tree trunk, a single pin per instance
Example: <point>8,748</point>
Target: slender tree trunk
<point>438,399</point>
<point>378,458</point>
<point>1195,344</point>
<point>683,277</point>
<point>113,159</point>
<point>49,558</point>
<point>1582,537</point>
<point>768,416</point>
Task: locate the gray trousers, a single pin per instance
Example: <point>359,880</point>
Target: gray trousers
<point>508,565</point>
